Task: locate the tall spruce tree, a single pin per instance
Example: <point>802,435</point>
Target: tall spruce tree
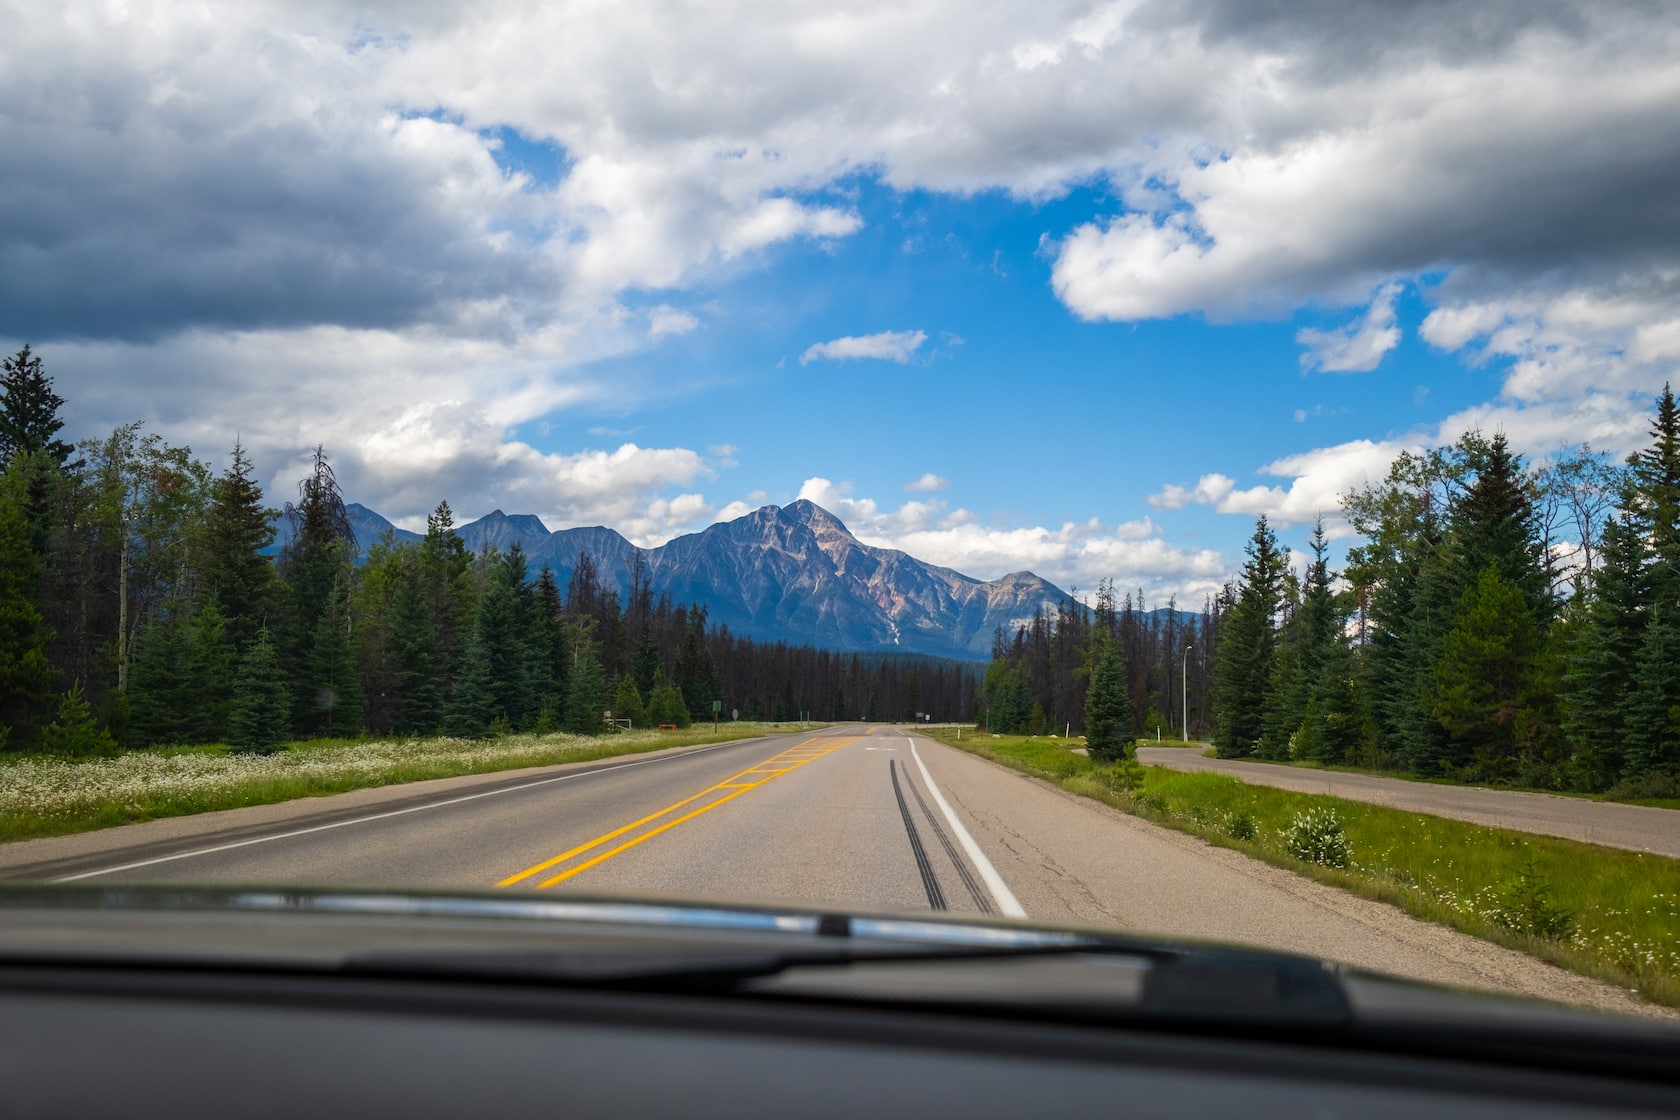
<point>332,683</point>
<point>260,720</point>
<point>472,700</point>
<point>1243,663</point>
<point>1603,654</point>
<point>1108,710</point>
<point>235,571</point>
<point>420,680</point>
<point>29,420</point>
<point>316,558</point>
<point>25,676</point>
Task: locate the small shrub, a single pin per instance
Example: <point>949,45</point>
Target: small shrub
<point>75,733</point>
<point>1120,777</point>
<point>1526,906</point>
<point>1647,787</point>
<point>1316,836</point>
<point>1241,827</point>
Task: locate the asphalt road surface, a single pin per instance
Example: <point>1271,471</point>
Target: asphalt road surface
<point>867,818</point>
<point>1638,828</point>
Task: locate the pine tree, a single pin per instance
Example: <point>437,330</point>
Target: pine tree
<point>75,733</point>
<point>1108,710</point>
<point>1602,656</point>
<point>260,721</point>
<point>234,570</point>
<point>29,420</point>
<point>210,669</point>
<point>1424,743</point>
<point>695,672</point>
<point>315,559</point>
<point>666,704</point>
<point>1653,712</point>
<point>1485,686</point>
<point>586,695</point>
<point>333,684</point>
<point>420,680</point>
<point>1494,525</point>
<point>627,703</point>
<point>160,696</point>
<point>25,676</point>
<point>1243,662</point>
<point>472,700</point>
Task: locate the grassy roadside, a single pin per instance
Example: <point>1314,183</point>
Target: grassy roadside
<point>1603,912</point>
<point>52,797</point>
<point>1401,775</point>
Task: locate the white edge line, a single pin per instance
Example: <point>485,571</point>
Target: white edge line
<point>375,816</point>
<point>994,882</point>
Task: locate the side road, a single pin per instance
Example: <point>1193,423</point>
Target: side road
<point>1634,827</point>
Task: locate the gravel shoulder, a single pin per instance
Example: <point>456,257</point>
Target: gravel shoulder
<point>1071,859</point>
<point>1636,828</point>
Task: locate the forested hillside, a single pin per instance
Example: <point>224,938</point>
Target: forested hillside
<point>1496,621</point>
<point>137,608</point>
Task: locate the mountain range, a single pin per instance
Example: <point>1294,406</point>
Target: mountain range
<point>789,573</point>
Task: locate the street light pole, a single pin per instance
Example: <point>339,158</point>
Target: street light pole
<point>1184,684</point>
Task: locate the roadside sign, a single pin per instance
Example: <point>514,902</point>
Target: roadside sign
<point>717,705</point>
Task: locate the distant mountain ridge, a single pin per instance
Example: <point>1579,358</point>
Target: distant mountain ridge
<point>789,573</point>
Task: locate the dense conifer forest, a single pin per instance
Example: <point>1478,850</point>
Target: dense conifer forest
<point>1495,621</point>
<point>138,609</point>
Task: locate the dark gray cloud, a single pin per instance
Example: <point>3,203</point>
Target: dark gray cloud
<point>149,195</point>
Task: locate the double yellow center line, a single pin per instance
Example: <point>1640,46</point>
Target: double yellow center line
<point>663,821</point>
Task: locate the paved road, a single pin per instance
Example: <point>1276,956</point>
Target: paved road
<point>848,817</point>
<point>1635,827</point>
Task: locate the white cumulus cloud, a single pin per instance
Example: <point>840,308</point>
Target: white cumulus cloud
<point>888,346</point>
<point>1358,347</point>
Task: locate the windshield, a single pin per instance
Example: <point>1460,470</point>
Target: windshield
<point>1186,469</point>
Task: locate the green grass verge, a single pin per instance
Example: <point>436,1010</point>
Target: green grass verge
<point>51,797</point>
<point>1614,914</point>
<point>1404,776</point>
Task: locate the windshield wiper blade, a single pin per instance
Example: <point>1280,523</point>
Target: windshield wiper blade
<point>661,970</point>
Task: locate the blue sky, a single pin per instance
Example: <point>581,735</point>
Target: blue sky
<point>1083,290</point>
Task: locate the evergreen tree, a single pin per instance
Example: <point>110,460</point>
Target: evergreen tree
<point>160,696</point>
<point>1424,743</point>
<point>472,700</point>
<point>666,705</point>
<point>1494,526</point>
<point>1602,657</point>
<point>235,571</point>
<point>1655,494</point>
<point>1486,693</point>
<point>75,733</point>
<point>29,420</point>
<point>627,703</point>
<point>315,559</point>
<point>1653,712</point>
<point>260,720</point>
<point>586,694</point>
<point>550,647</point>
<point>420,680</point>
<point>25,676</point>
<point>332,682</point>
<point>1108,710</point>
<point>1243,664</point>
<point>210,669</point>
<point>1289,690</point>
<point>696,675</point>
<point>504,630</point>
